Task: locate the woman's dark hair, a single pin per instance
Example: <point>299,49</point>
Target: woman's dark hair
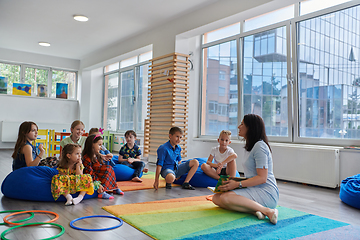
<point>255,131</point>
<point>88,149</point>
<point>24,129</point>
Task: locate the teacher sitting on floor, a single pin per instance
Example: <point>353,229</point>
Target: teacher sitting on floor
<point>258,194</point>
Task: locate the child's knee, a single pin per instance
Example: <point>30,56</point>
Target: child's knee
<point>170,178</point>
<point>203,166</point>
<point>194,162</point>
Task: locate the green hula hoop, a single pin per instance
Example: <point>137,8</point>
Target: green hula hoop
<point>36,223</point>
<point>23,220</point>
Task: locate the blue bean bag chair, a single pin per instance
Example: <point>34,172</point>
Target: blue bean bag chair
<point>350,191</point>
<point>200,179</point>
<point>33,183</point>
<point>122,172</point>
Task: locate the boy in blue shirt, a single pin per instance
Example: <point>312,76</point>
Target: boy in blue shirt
<point>168,162</point>
<point>129,155</point>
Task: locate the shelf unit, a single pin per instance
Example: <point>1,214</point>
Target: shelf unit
<point>168,100</point>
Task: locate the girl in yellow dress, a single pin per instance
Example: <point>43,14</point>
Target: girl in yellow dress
<point>71,178</point>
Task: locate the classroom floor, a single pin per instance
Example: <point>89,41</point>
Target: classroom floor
<point>324,202</point>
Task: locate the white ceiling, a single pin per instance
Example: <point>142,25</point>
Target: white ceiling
<point>24,23</point>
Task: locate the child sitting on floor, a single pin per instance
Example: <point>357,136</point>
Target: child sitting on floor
<point>223,156</point>
<point>129,155</point>
<point>25,154</point>
<point>94,165</point>
<point>106,154</point>
<point>168,162</point>
<point>71,178</point>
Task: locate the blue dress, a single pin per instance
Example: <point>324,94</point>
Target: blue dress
<point>19,161</point>
<point>266,194</point>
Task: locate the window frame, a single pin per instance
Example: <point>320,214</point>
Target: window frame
<point>136,69</point>
<point>49,80</point>
<point>315,140</point>
<point>292,77</point>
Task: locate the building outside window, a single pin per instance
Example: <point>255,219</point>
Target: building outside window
<point>264,79</point>
<point>220,88</point>
<point>329,75</point>
<point>323,92</point>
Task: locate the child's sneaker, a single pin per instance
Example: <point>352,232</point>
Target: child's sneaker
<point>118,191</point>
<point>187,186</point>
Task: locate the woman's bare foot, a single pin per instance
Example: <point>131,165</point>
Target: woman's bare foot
<point>136,179</point>
<point>145,170</point>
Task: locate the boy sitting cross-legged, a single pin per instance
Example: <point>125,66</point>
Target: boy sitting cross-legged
<point>129,155</point>
<point>169,162</point>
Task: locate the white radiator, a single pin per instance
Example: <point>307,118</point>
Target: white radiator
<point>307,164</point>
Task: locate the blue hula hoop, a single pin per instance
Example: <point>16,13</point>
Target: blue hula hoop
<point>95,216</point>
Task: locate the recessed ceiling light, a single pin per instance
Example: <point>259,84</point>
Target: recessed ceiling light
<point>44,44</point>
<point>81,18</point>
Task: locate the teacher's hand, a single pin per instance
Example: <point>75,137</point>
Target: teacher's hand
<point>228,185</point>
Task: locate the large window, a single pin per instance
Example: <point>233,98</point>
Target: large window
<point>43,80</point>
<point>301,74</point>
<point>220,89</point>
<point>329,75</point>
<point>111,101</point>
<point>264,79</point>
<point>125,99</point>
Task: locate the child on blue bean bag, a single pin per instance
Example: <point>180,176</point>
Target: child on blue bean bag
<point>224,158</point>
<point>25,154</point>
<point>129,155</point>
<point>71,178</point>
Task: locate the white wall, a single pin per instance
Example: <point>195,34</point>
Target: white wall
<point>163,37</point>
<point>14,56</point>
<point>91,100</point>
<point>42,111</point>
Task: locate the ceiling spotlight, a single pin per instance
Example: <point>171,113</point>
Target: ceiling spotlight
<point>44,44</point>
<point>81,18</point>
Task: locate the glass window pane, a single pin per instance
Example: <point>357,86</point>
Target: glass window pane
<point>220,33</point>
<point>220,89</point>
<point>265,91</point>
<point>111,101</point>
<point>329,89</point>
<point>269,18</point>
<point>141,100</point>
<point>111,67</point>
<point>59,76</point>
<point>38,79</point>
<point>145,56</point>
<point>9,73</point>
<point>310,6</point>
<point>127,101</point>
<point>128,62</point>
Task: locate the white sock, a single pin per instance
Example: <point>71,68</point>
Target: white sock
<point>78,199</point>
<point>68,200</point>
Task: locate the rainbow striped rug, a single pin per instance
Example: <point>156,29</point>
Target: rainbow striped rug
<point>198,218</point>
